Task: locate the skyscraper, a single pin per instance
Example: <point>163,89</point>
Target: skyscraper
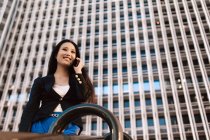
<point>7,12</point>
<point>149,61</point>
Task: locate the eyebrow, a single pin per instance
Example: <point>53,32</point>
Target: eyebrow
<point>64,47</point>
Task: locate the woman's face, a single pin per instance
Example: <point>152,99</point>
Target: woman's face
<point>66,54</point>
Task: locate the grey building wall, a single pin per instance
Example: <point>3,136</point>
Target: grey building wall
<point>8,10</point>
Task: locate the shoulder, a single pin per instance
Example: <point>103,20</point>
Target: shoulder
<point>44,79</point>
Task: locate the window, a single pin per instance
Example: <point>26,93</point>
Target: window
<point>123,40</point>
<point>86,57</point>
<point>173,120</point>
<point>115,88</point>
<point>154,67</point>
<point>129,4</point>
<point>127,123</point>
<point>135,87</point>
<point>105,42</point>
<point>114,42</point>
<point>185,119</point>
<point>105,71</point>
<point>124,69</point>
<point>198,118</point>
<point>114,55</point>
<point>105,56</point>
<point>105,104</point>
<point>122,18</point>
<point>148,102</point>
<point>138,123</point>
<point>104,125</point>
<point>138,14</point>
<point>93,125</point>
<point>105,89</point>
<point>130,15</point>
<point>170,100</point>
<point>95,72</point>
<point>150,121</point>
<point>157,84</point>
<point>133,54</point>
<point>115,104</point>
<point>96,56</point>
<point>162,121</point>
<point>105,18</point>
<point>144,67</point>
<point>126,103</point>
<point>143,53</point>
<point>146,85</point>
<point>137,102</point>
<point>96,88</point>
<point>114,70</point>
<point>113,6</point>
<point>125,87</point>
<point>159,101</point>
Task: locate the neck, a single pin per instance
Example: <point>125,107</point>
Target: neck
<point>61,71</point>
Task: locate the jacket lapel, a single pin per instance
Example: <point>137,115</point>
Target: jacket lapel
<point>49,82</point>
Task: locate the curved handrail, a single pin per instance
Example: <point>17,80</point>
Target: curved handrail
<point>80,110</point>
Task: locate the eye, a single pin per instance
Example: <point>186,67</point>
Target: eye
<point>64,49</point>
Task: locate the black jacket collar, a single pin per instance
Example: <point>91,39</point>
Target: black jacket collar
<point>49,81</point>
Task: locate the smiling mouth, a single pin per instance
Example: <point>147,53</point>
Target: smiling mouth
<point>66,58</point>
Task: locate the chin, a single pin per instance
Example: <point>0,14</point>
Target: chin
<point>66,64</point>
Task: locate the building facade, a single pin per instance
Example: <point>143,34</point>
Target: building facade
<point>8,10</point>
<point>149,61</point>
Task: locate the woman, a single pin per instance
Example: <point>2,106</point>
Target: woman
<point>66,84</point>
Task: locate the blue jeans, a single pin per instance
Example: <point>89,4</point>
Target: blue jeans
<point>43,126</point>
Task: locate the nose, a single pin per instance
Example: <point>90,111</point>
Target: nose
<point>67,54</point>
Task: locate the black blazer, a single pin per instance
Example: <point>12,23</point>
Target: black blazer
<point>43,94</point>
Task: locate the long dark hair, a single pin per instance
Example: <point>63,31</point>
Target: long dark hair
<point>52,66</point>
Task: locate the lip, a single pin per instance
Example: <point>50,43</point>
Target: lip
<point>67,58</point>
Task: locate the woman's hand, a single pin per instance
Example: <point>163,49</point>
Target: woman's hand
<point>78,68</point>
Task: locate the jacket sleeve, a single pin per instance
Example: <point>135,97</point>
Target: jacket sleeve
<point>31,107</point>
<point>83,91</point>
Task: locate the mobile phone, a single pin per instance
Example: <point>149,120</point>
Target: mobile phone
<point>76,62</point>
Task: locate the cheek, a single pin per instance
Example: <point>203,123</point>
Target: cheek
<point>58,57</point>
<point>74,56</point>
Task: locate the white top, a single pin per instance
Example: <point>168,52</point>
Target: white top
<point>61,90</point>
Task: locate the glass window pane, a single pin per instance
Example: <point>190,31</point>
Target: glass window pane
<point>157,85</point>
<point>173,120</point>
<point>125,87</point>
<point>150,122</point>
<point>115,88</point>
<point>126,103</point>
<point>115,104</point>
<point>137,102</point>
<point>104,125</point>
<point>124,69</point>
<point>105,71</point>
<point>146,86</point>
<point>148,102</point>
<point>96,90</point>
<point>135,86</point>
<point>162,121</point>
<point>138,123</point>
<point>105,89</point>
<point>105,104</point>
<point>127,123</point>
<point>159,101</point>
<point>114,70</point>
<point>93,126</point>
<point>95,72</point>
